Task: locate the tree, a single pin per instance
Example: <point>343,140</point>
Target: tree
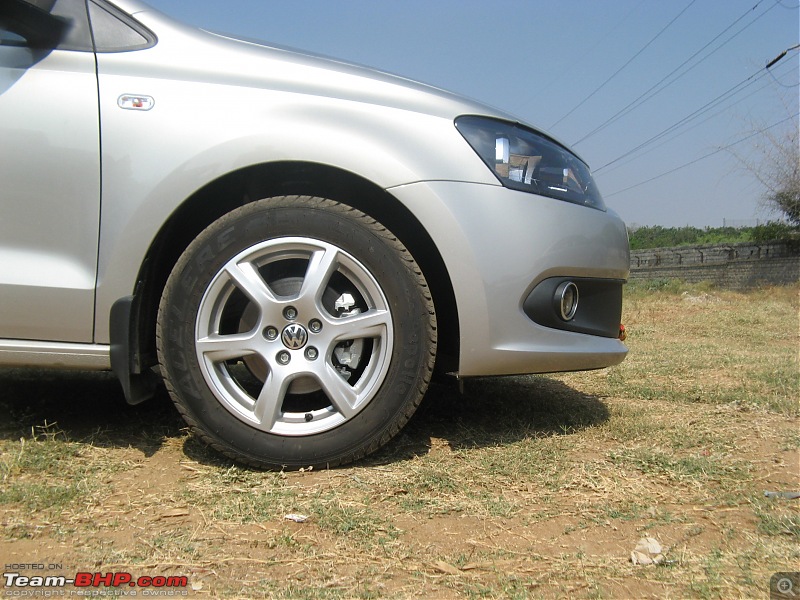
<point>775,161</point>
<point>779,171</point>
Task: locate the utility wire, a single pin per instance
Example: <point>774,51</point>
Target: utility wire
<point>563,72</point>
<point>708,118</point>
<point>705,156</point>
<point>655,89</point>
<point>618,71</point>
<point>739,87</point>
<point>690,117</point>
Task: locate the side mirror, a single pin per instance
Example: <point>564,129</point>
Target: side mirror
<point>33,23</point>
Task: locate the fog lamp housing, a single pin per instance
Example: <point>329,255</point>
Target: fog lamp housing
<point>600,305</point>
<point>566,300</point>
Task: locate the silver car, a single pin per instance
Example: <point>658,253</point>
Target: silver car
<point>291,243</point>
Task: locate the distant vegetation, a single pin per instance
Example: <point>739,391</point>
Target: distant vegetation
<point>643,238</point>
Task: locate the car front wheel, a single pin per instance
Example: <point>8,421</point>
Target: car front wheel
<point>296,331</point>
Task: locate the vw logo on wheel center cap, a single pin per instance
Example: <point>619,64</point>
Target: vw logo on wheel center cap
<point>294,336</point>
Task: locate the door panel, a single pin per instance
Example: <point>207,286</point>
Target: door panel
<point>49,193</point>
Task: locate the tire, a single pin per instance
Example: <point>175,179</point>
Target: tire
<point>296,332</point>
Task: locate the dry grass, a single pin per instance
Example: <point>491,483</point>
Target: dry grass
<point>521,488</point>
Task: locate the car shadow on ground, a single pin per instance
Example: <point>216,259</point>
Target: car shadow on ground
<point>83,407</point>
<point>494,411</point>
<point>88,407</point>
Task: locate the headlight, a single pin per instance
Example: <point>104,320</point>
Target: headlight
<point>525,160</point>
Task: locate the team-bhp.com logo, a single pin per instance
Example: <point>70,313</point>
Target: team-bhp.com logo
<point>149,585</point>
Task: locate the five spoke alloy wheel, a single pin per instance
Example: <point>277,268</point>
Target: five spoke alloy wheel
<point>296,332</point>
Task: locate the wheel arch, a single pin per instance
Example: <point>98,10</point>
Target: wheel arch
<point>262,181</point>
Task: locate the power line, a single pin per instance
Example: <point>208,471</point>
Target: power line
<point>717,113</point>
<point>705,156</point>
<point>600,40</point>
<point>739,87</point>
<point>618,71</point>
<point>692,116</point>
<point>655,89</point>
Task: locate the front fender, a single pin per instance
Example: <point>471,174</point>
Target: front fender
<point>144,181</point>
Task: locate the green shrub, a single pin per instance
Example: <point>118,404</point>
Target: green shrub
<point>657,236</point>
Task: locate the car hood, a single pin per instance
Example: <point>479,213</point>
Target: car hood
<point>184,52</point>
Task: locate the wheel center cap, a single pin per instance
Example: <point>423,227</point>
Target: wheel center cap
<point>294,336</point>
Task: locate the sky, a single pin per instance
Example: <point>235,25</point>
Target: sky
<point>663,98</point>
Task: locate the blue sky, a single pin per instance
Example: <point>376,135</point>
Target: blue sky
<point>570,66</point>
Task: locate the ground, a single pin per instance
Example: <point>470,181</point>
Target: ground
<point>521,487</point>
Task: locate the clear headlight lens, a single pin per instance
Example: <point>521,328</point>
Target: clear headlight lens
<point>525,160</point>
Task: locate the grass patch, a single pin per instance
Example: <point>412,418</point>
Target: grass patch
<point>659,462</point>
<point>521,487</point>
<point>692,344</point>
<point>359,523</point>
<point>777,516</point>
<point>36,496</point>
<point>45,472</point>
<point>239,495</point>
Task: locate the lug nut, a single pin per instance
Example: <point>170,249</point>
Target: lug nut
<point>290,313</point>
<point>271,333</point>
<point>284,357</point>
<point>315,325</point>
<point>312,353</point>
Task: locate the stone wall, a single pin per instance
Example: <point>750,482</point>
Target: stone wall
<point>730,266</point>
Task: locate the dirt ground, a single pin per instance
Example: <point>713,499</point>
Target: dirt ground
<point>151,513</point>
<point>521,487</point>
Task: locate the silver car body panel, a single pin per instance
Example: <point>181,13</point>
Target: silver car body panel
<point>25,353</point>
<point>50,191</point>
<point>220,105</point>
<point>497,245</point>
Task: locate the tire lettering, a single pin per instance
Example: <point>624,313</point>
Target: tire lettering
<point>189,281</point>
<point>204,256</point>
<point>226,238</point>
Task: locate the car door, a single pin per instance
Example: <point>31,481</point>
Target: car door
<point>49,171</point>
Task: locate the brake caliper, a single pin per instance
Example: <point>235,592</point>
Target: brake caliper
<point>348,353</point>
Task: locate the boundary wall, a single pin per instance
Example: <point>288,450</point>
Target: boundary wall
<point>730,266</point>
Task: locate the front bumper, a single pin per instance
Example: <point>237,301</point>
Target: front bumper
<point>500,244</point>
